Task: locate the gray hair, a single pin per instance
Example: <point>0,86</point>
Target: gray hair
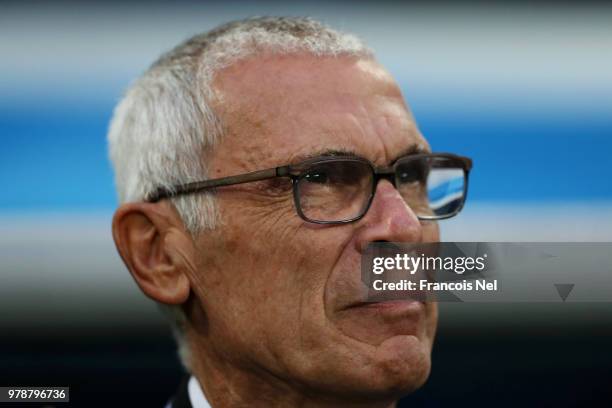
<point>164,128</point>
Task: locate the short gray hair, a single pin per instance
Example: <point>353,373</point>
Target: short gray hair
<point>164,128</point>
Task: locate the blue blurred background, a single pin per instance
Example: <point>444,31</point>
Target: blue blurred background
<point>524,90</point>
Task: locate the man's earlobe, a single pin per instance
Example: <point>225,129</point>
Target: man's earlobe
<point>156,249</point>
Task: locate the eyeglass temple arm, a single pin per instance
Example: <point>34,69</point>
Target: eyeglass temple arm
<point>189,188</point>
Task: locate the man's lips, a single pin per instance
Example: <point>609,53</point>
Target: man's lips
<point>392,306</point>
<point>396,295</point>
<point>392,301</point>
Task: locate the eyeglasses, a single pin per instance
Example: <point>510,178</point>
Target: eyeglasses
<point>340,189</point>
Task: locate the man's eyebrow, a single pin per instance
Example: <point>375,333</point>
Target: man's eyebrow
<point>324,153</point>
<point>410,150</point>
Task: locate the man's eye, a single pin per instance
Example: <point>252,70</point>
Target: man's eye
<point>409,173</point>
<point>317,177</point>
<point>409,176</point>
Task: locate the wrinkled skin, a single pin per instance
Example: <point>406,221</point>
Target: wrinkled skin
<point>274,308</point>
<point>276,291</point>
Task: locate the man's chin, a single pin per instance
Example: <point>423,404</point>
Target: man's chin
<point>397,366</point>
<point>375,322</point>
<point>402,364</point>
<point>384,381</point>
<point>399,361</point>
<point>392,377</point>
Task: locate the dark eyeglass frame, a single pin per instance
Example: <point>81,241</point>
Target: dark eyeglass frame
<point>296,171</point>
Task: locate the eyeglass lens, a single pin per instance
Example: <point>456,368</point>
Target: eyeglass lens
<point>335,191</point>
<point>433,187</point>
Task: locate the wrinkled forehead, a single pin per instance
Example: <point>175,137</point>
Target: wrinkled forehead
<point>277,109</point>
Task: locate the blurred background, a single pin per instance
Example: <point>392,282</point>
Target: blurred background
<point>524,90</point>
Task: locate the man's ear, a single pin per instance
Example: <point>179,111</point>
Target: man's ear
<point>156,248</point>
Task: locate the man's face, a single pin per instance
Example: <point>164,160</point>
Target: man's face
<point>278,294</point>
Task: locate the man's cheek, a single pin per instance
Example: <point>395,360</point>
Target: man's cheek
<point>271,220</point>
<point>296,275</point>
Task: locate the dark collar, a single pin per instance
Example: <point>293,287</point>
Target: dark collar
<point>181,398</point>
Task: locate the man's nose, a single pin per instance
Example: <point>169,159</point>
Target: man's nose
<point>388,219</point>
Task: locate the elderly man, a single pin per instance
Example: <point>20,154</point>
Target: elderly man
<point>254,164</point>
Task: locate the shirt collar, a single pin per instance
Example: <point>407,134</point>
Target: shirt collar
<point>196,395</point>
